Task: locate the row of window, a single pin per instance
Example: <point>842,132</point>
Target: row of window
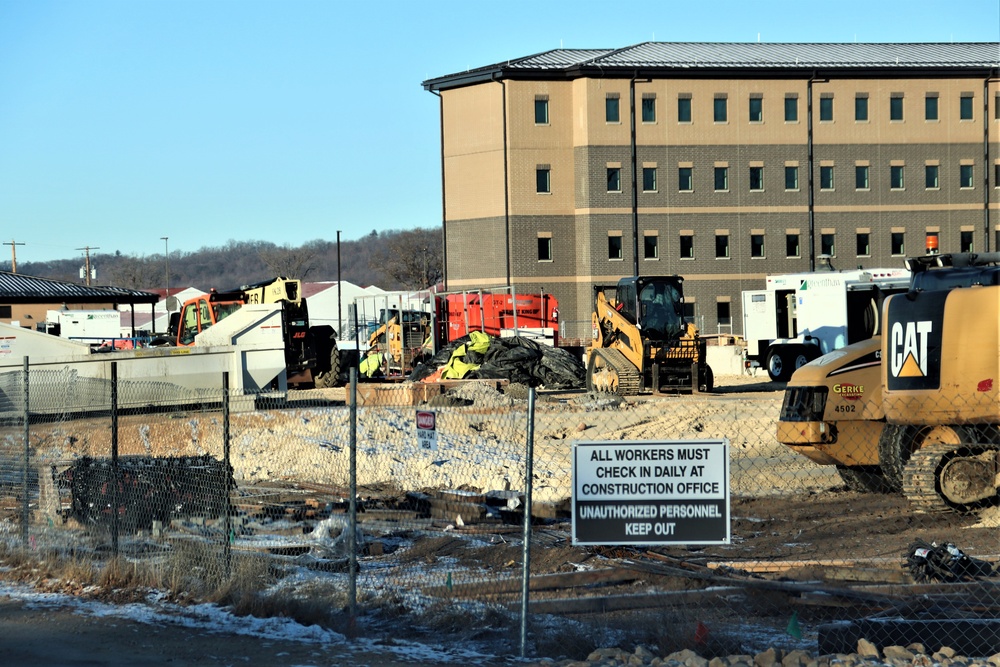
<point>828,245</point>
<point>720,107</point>
<point>827,179</point>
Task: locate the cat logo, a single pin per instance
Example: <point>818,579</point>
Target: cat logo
<point>908,349</point>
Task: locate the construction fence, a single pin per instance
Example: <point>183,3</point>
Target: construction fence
<point>451,507</point>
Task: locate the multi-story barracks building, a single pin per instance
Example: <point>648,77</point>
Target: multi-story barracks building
<point>719,162</point>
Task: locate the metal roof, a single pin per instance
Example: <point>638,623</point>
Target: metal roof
<point>691,59</point>
<point>19,288</point>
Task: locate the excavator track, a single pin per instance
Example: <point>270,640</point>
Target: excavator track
<point>628,375</point>
<point>920,476</point>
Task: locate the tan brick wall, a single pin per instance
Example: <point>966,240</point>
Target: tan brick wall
<point>578,144</point>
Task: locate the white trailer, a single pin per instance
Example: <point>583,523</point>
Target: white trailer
<point>88,326</point>
<point>248,344</point>
<point>801,316</point>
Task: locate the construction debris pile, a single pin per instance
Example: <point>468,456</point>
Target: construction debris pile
<point>517,359</point>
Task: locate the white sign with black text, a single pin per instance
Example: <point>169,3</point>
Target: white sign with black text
<point>651,492</point>
<point>427,429</point>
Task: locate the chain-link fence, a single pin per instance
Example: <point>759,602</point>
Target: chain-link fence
<point>247,499</point>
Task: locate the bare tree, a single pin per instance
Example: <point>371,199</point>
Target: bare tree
<point>288,262</point>
<point>410,258</point>
<point>133,272</point>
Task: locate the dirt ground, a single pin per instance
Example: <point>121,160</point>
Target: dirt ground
<point>791,520</point>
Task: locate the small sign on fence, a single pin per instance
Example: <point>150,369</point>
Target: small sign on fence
<point>651,492</point>
<point>427,429</point>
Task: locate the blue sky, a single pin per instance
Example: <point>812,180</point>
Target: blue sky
<point>284,121</point>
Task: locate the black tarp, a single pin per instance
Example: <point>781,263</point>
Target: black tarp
<point>517,359</point>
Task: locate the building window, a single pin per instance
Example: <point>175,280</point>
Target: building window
<point>650,246</point>
<point>861,177</point>
<point>649,179</point>
<point>827,245</point>
<point>612,112</point>
<point>791,109</point>
<point>687,246</point>
<point>996,175</point>
<point>931,181</point>
<point>896,177</point>
<point>614,247</point>
<point>826,177</point>
<point>965,107</point>
<point>6,312</point>
<point>861,108</point>
<point>791,178</point>
<point>685,179</point>
<point>543,184</point>
<point>648,109</point>
<point>932,242</point>
<point>722,313</point>
<point>756,245</point>
<point>792,245</point>
<point>756,178</point>
<point>721,246</point>
<point>720,110</point>
<point>541,112</point>
<point>965,242</point>
<point>896,107</point>
<point>826,108</point>
<point>614,179</point>
<point>965,176</point>
<point>896,243</point>
<point>930,107</point>
<point>687,311</point>
<point>756,110</point>
<point>544,248</point>
<point>863,244</point>
<point>722,178</point>
<point>683,109</point>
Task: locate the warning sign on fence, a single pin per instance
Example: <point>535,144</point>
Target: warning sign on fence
<point>651,492</point>
<point>427,429</point>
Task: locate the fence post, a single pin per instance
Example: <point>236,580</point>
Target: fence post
<point>529,459</point>
<point>352,506</point>
<point>115,472</point>
<point>27,452</point>
<point>227,550</point>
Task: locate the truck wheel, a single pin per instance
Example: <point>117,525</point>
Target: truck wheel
<point>801,357</point>
<point>330,378</point>
<point>776,366</point>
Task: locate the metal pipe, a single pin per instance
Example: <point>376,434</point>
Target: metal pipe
<point>506,183</point>
<point>809,148</point>
<point>228,546</point>
<point>635,185</point>
<point>115,471</point>
<point>526,547</point>
<point>352,507</point>
<point>27,453</point>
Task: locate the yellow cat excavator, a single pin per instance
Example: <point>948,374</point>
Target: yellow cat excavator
<point>641,342</point>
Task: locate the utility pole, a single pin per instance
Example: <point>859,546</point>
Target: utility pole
<point>87,250</point>
<point>166,260</point>
<point>13,254</point>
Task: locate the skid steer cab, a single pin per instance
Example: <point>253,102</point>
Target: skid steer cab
<point>311,353</point>
<point>640,341</point>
